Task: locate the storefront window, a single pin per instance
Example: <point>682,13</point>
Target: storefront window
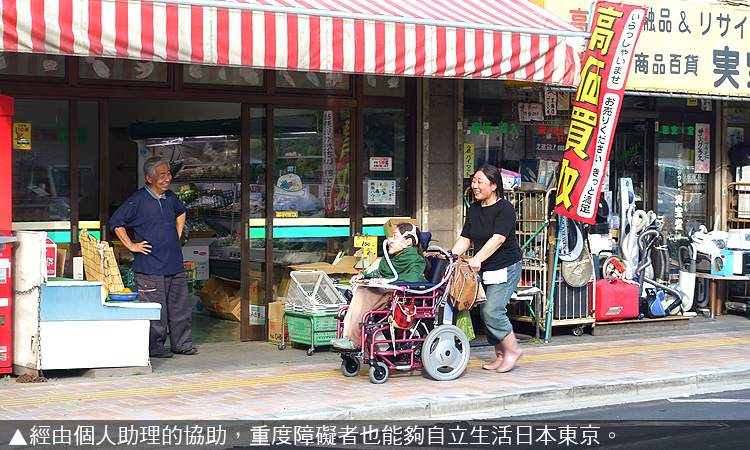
<point>312,177</point>
<point>122,69</point>
<point>681,191</point>
<point>384,86</point>
<point>88,162</point>
<point>30,64</point>
<point>385,163</point>
<point>493,139</point>
<point>41,187</point>
<point>627,158</point>
<point>227,76</point>
<point>312,80</point>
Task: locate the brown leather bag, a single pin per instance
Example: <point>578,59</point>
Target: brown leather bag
<point>466,289</point>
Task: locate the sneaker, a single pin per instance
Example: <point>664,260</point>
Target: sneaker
<point>163,354</point>
<point>188,351</point>
<point>343,344</point>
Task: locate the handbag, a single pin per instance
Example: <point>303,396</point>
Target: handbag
<point>466,289</point>
<point>403,315</point>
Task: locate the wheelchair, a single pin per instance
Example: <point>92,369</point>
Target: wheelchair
<point>430,341</point>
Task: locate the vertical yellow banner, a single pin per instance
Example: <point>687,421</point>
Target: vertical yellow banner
<point>468,160</point>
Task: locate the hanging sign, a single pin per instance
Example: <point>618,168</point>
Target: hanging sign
<point>702,148</point>
<point>550,103</point>
<point>596,106</point>
<point>530,111</point>
<point>21,136</point>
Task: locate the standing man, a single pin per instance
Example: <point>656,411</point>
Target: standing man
<point>157,217</point>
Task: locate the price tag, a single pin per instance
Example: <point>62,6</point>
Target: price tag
<point>366,243</point>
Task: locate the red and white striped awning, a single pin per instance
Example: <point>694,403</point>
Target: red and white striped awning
<point>509,39</point>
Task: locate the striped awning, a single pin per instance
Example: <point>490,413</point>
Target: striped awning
<point>508,39</point>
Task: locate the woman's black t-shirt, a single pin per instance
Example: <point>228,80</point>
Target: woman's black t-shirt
<point>498,218</point>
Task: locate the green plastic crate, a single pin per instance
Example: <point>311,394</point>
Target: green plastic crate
<point>318,332</point>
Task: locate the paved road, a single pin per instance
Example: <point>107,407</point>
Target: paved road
<point>717,406</point>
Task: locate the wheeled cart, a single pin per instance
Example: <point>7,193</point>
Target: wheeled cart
<point>571,306</point>
<point>309,329</point>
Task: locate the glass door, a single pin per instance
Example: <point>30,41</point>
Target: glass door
<point>312,179</point>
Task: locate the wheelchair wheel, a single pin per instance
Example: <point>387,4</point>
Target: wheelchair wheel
<point>350,366</point>
<point>378,373</point>
<point>445,353</point>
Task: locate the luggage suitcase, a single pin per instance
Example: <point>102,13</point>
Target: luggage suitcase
<point>616,300</point>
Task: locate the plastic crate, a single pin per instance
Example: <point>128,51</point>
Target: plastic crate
<point>313,290</point>
<point>311,329</point>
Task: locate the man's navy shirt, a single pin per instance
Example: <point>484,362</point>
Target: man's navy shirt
<point>153,220</point>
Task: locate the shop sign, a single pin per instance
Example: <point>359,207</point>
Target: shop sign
<point>381,164</point>
<point>596,107</point>
<point>21,136</point>
<point>366,243</point>
<point>530,111</point>
<point>468,160</point>
<point>489,128</point>
<point>676,130</point>
<point>286,214</point>
<point>693,47</point>
<point>702,148</point>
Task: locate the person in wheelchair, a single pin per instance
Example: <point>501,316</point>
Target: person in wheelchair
<point>407,257</point>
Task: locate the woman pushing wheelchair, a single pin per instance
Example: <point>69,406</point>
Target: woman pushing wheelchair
<point>490,225</point>
<point>407,259</point>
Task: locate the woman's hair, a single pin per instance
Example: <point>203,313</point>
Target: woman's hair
<point>406,227</point>
<point>493,174</point>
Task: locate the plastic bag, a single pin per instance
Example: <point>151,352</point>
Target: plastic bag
<point>463,321</point>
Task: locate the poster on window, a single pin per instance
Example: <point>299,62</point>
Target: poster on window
<point>702,148</point>
<point>596,107</point>
<point>329,161</point>
<point>381,192</point>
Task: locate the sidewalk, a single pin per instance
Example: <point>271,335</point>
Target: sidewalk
<point>257,381</point>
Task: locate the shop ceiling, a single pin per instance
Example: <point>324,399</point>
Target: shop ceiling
<point>504,39</point>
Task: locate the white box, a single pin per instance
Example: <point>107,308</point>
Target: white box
<point>197,250</point>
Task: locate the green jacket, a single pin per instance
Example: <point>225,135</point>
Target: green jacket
<point>409,265</point>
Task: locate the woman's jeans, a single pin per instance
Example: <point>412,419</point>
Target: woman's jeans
<point>493,311</point>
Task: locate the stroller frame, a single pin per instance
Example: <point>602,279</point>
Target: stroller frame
<point>441,349</point>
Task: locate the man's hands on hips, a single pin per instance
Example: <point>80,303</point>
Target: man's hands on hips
<point>140,247</point>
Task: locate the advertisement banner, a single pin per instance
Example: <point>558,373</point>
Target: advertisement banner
<point>685,46</point>
<point>614,32</point>
<point>702,148</point>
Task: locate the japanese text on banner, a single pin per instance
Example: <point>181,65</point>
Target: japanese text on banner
<point>596,107</point>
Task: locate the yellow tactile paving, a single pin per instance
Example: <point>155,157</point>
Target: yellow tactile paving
<point>557,354</point>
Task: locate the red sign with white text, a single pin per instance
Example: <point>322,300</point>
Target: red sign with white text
<point>604,72</point>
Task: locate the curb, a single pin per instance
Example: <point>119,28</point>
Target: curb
<point>504,402</point>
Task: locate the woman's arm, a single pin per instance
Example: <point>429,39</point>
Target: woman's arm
<point>461,245</point>
<point>486,251</point>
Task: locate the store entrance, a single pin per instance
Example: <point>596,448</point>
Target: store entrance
<point>202,142</point>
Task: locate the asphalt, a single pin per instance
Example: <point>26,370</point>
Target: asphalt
<point>256,380</point>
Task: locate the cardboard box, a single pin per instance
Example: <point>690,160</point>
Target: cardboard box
<point>221,297</point>
<point>392,223</point>
<point>51,257</point>
<point>276,323</point>
<point>197,250</point>
<point>537,174</point>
